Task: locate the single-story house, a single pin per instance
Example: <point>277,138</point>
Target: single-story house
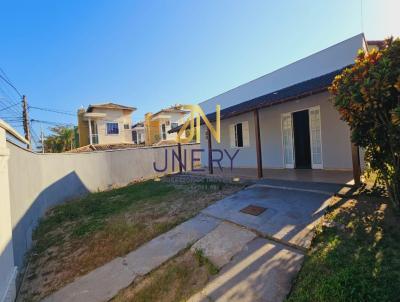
<point>285,119</point>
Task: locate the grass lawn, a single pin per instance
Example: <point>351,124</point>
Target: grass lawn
<point>355,255</point>
<point>81,235</point>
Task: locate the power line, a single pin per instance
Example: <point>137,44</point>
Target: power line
<point>8,107</point>
<point>10,84</point>
<point>52,110</point>
<point>50,123</point>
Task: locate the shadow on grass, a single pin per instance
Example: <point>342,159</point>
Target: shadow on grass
<point>358,261</point>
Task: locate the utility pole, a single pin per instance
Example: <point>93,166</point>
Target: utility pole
<point>42,137</point>
<point>25,118</point>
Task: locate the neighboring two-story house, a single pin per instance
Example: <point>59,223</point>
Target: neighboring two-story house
<point>157,125</point>
<point>106,123</point>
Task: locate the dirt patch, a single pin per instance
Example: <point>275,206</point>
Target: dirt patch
<point>79,236</point>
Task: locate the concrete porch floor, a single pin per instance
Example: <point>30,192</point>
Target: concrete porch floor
<point>303,175</point>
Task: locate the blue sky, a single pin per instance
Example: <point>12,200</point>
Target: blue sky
<point>152,54</point>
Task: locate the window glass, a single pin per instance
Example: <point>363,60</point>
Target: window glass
<point>112,128</point>
<point>174,125</point>
<point>126,126</point>
<point>239,135</point>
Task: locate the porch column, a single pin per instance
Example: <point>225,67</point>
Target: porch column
<point>180,157</point>
<point>355,157</point>
<point>258,143</point>
<point>210,167</point>
<point>90,132</point>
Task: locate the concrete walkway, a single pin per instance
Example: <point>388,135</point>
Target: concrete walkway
<point>104,282</point>
<point>258,255</point>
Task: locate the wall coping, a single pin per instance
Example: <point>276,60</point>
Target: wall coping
<point>10,130</point>
<point>98,151</point>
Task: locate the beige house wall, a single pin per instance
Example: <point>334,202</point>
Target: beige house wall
<point>83,129</point>
<point>121,117</point>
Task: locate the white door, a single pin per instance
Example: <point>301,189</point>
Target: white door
<point>287,137</point>
<point>315,138</point>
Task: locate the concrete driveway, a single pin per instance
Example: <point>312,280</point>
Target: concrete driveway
<point>290,212</point>
<point>262,269</point>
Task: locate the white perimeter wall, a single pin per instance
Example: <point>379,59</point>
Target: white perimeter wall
<point>40,181</point>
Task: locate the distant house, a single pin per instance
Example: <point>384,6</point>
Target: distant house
<point>138,133</point>
<point>106,123</point>
<point>157,125</point>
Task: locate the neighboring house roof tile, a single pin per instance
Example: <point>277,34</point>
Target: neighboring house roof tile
<point>109,106</point>
<point>103,147</point>
<point>170,110</point>
<point>138,124</point>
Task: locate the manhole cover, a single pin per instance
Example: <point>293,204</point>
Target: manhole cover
<point>253,210</point>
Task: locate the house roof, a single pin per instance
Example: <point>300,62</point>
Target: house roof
<point>290,93</point>
<point>315,65</point>
<point>109,106</point>
<point>294,92</point>
<point>138,124</point>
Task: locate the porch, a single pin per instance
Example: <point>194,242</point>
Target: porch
<point>301,175</point>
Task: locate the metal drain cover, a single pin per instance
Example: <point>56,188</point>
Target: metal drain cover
<point>253,210</point>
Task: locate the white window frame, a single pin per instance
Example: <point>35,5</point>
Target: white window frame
<point>245,135</point>
<point>111,122</point>
<point>288,165</point>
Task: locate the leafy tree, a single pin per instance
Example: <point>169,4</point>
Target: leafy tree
<point>62,139</point>
<point>367,96</point>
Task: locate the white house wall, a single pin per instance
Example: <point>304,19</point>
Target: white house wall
<point>246,156</point>
<point>336,147</point>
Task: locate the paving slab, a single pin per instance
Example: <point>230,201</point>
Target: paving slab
<point>262,271</point>
<point>161,248</point>
<point>104,282</point>
<point>100,284</point>
<point>225,241</point>
<point>290,215</point>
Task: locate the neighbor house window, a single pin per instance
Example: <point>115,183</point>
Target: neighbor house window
<point>163,132</point>
<point>112,128</point>
<point>239,135</point>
